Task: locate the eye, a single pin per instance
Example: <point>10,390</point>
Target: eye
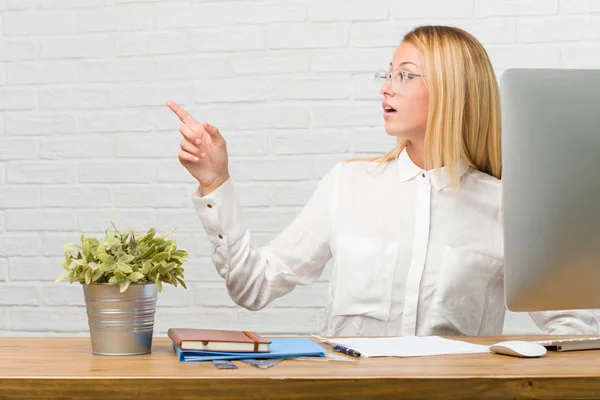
<point>407,76</point>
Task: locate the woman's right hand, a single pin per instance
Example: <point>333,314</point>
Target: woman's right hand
<point>203,150</point>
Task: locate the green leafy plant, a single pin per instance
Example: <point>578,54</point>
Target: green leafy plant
<point>123,258</point>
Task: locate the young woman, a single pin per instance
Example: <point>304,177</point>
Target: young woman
<point>415,235</point>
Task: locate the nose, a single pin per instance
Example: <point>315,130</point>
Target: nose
<point>386,89</point>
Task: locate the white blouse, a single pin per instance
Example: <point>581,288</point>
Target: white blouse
<point>411,254</point>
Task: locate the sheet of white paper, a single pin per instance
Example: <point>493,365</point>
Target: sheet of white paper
<point>407,346</point>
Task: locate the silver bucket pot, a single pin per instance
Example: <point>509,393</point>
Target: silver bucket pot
<point>121,323</point>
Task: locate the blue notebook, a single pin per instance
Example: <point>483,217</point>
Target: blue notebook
<point>279,348</point>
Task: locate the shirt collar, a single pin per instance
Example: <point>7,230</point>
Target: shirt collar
<point>408,170</point>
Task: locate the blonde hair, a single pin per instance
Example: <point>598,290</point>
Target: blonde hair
<point>464,103</point>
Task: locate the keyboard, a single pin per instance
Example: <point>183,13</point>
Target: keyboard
<point>571,344</point>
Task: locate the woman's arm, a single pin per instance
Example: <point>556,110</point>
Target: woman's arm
<point>568,322</point>
<point>257,275</point>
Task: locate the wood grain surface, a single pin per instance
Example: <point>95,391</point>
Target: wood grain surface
<point>64,368</point>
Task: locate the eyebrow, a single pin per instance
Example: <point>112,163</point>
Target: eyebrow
<point>406,62</point>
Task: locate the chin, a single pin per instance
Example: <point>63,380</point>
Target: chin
<point>394,131</point>
<point>401,131</point>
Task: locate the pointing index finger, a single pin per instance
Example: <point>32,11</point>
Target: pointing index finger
<point>183,115</point>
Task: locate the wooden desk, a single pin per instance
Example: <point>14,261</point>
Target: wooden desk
<point>53,368</point>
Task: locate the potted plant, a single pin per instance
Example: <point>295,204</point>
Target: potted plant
<point>121,277</point>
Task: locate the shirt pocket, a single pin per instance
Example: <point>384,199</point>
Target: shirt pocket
<point>464,282</point>
<point>364,271</point>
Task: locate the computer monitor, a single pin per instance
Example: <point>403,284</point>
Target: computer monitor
<point>551,188</point>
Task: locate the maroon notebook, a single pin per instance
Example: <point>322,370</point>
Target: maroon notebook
<point>218,340</point>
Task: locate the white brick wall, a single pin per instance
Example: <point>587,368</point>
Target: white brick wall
<point>85,135</point>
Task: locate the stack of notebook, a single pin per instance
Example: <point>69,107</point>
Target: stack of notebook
<point>211,344</point>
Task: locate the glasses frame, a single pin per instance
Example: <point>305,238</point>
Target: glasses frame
<point>387,75</point>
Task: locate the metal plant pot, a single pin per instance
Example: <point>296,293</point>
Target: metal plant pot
<point>121,323</point>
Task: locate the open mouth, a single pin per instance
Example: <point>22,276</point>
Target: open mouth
<point>388,111</point>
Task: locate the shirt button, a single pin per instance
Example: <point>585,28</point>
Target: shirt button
<point>423,174</point>
<point>209,205</point>
<point>220,236</point>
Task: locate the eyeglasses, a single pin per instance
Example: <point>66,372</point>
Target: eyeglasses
<point>399,79</point>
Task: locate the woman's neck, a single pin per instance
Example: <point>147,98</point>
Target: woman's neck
<point>416,152</point>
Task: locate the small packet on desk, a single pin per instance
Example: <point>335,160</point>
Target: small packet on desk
<point>224,364</point>
<point>262,364</point>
